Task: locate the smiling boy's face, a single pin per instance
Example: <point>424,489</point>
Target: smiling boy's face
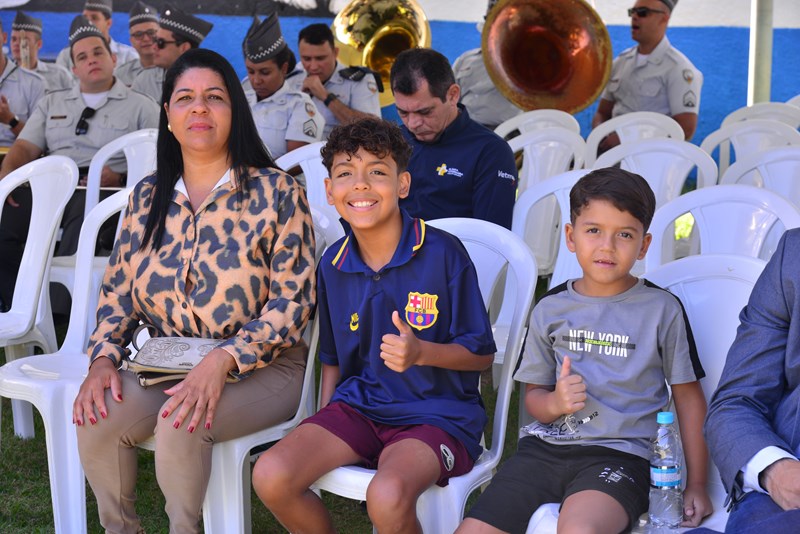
<point>607,242</point>
<point>365,189</point>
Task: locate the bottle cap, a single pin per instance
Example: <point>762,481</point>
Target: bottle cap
<point>665,418</point>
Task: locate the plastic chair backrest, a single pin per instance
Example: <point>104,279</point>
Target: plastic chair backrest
<point>139,148</point>
<point>310,161</point>
<point>536,119</point>
<point>547,152</point>
<point>779,111</point>
<point>728,219</point>
<point>327,229</point>
<point>563,262</point>
<point>794,101</point>
<point>777,169</point>
<point>749,137</point>
<point>52,180</point>
<point>85,293</point>
<point>632,127</point>
<point>664,163</point>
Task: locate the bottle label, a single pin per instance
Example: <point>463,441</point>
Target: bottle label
<point>665,476</point>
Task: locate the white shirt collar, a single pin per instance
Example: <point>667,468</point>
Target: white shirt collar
<point>181,186</point>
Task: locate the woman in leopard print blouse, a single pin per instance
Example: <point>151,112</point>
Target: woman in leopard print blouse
<point>218,243</point>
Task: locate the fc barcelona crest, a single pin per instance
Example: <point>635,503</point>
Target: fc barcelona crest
<point>421,311</point>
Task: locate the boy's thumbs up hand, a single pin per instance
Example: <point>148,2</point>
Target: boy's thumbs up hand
<point>400,351</point>
<point>570,390</point>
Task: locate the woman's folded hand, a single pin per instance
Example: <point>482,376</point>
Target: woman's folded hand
<point>102,375</point>
<point>197,394</point>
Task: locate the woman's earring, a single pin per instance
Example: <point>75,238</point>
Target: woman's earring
<point>169,127</point>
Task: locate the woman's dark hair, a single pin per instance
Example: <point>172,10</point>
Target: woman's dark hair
<point>286,56</point>
<point>244,144</point>
<point>625,190</point>
<point>377,136</point>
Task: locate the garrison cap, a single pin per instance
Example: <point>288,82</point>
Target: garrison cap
<point>24,22</point>
<point>184,25</point>
<point>82,28</point>
<point>104,6</point>
<point>264,41</point>
<point>670,4</point>
<point>141,12</point>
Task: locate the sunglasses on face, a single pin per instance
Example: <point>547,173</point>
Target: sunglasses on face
<point>162,43</point>
<point>150,34</point>
<point>83,125</point>
<point>642,12</point>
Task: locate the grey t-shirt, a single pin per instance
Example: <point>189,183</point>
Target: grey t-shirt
<point>626,348</point>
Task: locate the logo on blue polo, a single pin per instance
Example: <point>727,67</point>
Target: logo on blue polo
<point>443,169</point>
<point>421,311</point>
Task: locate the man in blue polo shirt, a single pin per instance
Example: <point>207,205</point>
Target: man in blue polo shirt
<point>458,167</point>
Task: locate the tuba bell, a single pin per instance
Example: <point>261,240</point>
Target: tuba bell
<point>546,54</point>
<point>371,33</point>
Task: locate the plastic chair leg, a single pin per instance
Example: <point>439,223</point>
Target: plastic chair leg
<point>22,410</point>
<point>226,508</point>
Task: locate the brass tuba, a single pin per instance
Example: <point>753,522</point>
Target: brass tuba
<point>547,54</point>
<point>370,33</point>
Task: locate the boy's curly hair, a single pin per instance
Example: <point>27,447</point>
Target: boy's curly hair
<point>377,136</point>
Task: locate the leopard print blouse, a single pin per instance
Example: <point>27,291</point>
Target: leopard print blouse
<point>241,268</point>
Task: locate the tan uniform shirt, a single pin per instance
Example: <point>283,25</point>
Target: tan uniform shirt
<point>23,89</point>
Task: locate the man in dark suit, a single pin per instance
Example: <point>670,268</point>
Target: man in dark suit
<point>753,422</point>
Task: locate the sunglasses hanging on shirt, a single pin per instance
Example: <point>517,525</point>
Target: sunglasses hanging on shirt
<point>83,125</point>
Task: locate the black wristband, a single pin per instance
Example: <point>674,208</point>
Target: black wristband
<point>330,98</point>
<point>13,122</point>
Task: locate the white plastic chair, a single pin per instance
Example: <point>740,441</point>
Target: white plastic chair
<point>664,163</point>
<point>713,289</point>
<point>536,119</point>
<point>29,322</point>
<point>777,111</point>
<point>51,381</point>
<point>748,137</point>
<point>491,248</point>
<point>307,157</point>
<point>630,127</point>
<point>327,229</point>
<point>139,148</point>
<point>777,169</point>
<point>794,101</point>
<point>728,219</point>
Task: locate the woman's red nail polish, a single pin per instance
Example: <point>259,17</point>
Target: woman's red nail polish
<point>119,397</point>
<point>103,415</point>
<point>191,429</point>
<point>93,420</point>
<point>208,426</point>
<point>164,414</point>
<point>176,424</point>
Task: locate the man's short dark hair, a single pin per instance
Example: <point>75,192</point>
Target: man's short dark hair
<point>316,34</point>
<point>412,66</point>
<point>377,136</point>
<point>625,190</point>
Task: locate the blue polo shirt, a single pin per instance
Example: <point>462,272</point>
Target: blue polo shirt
<point>432,283</point>
<point>468,172</point>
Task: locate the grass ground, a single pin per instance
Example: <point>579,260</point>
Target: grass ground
<point>25,492</point>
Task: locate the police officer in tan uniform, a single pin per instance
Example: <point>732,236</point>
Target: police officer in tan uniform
<point>652,76</point>
<point>26,40</point>
<point>341,94</point>
<point>286,118</point>
<point>142,26</point>
<point>76,123</point>
<point>177,33</point>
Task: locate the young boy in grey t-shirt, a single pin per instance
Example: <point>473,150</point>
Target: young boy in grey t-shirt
<point>604,348</point>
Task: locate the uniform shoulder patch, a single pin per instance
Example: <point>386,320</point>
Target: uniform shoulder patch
<point>310,128</point>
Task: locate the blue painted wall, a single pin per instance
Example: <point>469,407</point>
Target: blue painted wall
<point>719,52</point>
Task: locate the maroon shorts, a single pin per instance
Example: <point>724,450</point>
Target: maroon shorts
<point>368,439</point>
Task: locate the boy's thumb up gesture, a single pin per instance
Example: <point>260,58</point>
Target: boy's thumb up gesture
<point>400,351</point>
<point>570,390</point>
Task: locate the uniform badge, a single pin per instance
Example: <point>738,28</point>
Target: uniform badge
<point>688,75</point>
<point>311,109</point>
<point>421,311</point>
<point>372,87</point>
<point>441,169</point>
<point>354,322</point>
<point>689,99</point>
<point>310,128</point>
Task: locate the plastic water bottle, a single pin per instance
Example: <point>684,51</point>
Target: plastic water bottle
<point>666,474</point>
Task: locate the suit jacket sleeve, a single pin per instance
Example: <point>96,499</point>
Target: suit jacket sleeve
<point>756,402</point>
